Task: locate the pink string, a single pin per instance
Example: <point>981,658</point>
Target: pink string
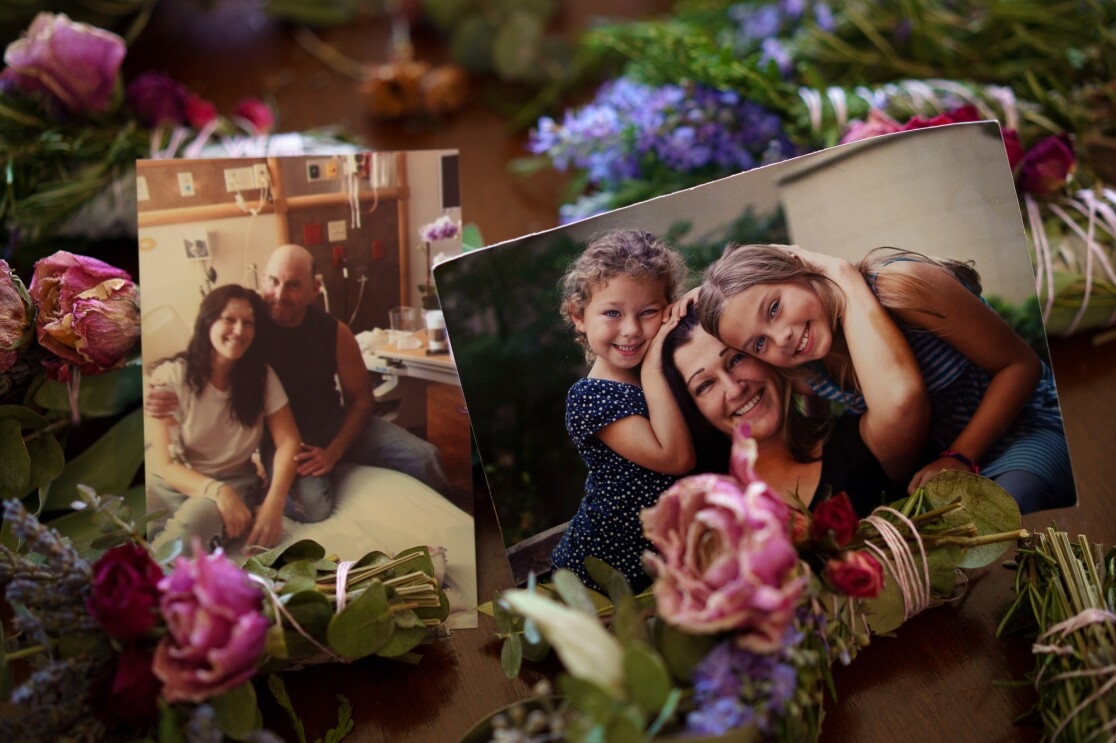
<point>343,568</point>
<point>901,561</point>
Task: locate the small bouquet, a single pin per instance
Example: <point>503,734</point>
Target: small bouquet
<point>1066,598</point>
<point>120,645</point>
<point>753,600</point>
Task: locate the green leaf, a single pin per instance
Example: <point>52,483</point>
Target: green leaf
<point>573,592</point>
<point>237,712</point>
<point>303,549</point>
<point>109,465</point>
<point>515,50</point>
<point>409,632</point>
<point>628,623</point>
<point>680,650</point>
<point>647,678</point>
<point>511,656</point>
<point>279,691</point>
<point>588,698</point>
<point>987,505</point>
<point>16,472</point>
<point>312,612</point>
<point>364,626</point>
<point>471,237</point>
<point>298,576</point>
<point>79,526</point>
<point>612,579</point>
<point>626,727</point>
<point>344,722</point>
<point>99,396</point>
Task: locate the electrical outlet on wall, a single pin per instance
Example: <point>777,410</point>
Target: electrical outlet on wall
<point>263,175</point>
<point>186,184</point>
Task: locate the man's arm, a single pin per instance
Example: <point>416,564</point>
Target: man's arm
<point>359,403</point>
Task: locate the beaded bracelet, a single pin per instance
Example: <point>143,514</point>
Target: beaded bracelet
<point>962,459</point>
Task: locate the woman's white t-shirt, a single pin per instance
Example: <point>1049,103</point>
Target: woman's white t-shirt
<point>212,442</point>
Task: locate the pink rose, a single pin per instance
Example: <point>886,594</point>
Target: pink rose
<point>158,99</point>
<point>1047,166</point>
<point>855,573</point>
<point>15,317</point>
<point>127,694</point>
<point>125,591</point>
<point>74,62</point>
<point>727,562</point>
<point>835,515</point>
<point>877,123</point>
<point>215,630</point>
<point>88,313</point>
<point>257,113</point>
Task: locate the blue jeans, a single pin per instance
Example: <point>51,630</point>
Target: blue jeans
<point>198,517</point>
<point>381,444</point>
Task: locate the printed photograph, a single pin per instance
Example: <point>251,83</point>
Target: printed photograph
<point>869,311</point>
<point>297,380</point>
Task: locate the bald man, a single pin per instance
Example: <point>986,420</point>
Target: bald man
<point>313,353</point>
<point>318,360</point>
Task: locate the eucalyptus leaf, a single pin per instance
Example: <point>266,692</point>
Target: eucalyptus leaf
<point>275,642</point>
<point>886,612</point>
<point>364,626</point>
<point>573,592</point>
<point>681,651</point>
<point>511,655</point>
<point>80,527</point>
<point>626,727</point>
<point>987,505</point>
<point>312,612</point>
<point>109,465</point>
<point>536,651</point>
<point>505,620</point>
<point>16,472</point>
<point>420,560</point>
<point>298,576</point>
<point>404,638</point>
<point>609,577</point>
<point>587,697</point>
<point>99,396</point>
<point>628,623</point>
<point>647,678</point>
<point>303,549</point>
<point>237,712</point>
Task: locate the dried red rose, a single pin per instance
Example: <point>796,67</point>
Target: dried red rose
<point>125,592</point>
<point>835,516</point>
<point>855,573</point>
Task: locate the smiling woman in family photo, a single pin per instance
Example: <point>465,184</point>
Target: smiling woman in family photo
<point>202,456</point>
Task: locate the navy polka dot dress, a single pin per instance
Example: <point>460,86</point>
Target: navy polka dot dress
<point>607,524</point>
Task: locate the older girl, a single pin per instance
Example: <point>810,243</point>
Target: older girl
<point>201,458</point>
<point>994,409</point>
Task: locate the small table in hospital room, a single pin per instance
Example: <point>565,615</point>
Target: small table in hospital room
<point>421,392</point>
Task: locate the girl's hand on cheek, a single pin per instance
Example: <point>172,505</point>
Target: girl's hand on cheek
<point>678,309</point>
<point>926,473</point>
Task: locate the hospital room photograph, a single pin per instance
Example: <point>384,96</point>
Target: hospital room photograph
<point>298,380</point>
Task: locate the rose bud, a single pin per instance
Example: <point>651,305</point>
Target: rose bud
<point>74,62</point>
<point>157,99</point>
<point>1046,168</point>
<point>88,313</point>
<point>125,591</point>
<point>257,113</point>
<point>855,573</point>
<point>835,516</point>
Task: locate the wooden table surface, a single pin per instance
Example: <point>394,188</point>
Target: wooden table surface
<point>935,680</point>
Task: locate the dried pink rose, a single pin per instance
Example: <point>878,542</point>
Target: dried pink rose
<point>257,113</point>
<point>76,63</point>
<point>88,313</point>
<point>726,562</point>
<point>16,328</point>
<point>215,628</point>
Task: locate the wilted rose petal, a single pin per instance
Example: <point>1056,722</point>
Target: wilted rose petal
<point>15,317</point>
<point>88,313</point>
<point>726,560</point>
<point>75,62</point>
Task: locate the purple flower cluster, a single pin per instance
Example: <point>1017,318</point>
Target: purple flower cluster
<point>735,687</point>
<point>630,129</point>
<point>765,26</point>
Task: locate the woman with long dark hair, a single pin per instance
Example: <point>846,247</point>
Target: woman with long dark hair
<point>201,458</point>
